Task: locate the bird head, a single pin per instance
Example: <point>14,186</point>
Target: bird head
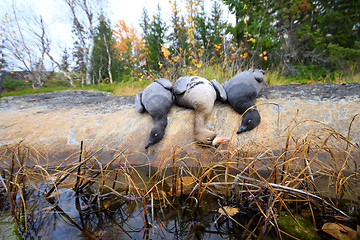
<point>250,120</point>
<point>210,138</point>
<point>156,134</point>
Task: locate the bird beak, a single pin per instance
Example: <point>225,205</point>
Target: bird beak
<point>241,129</point>
<point>148,144</point>
<point>218,139</point>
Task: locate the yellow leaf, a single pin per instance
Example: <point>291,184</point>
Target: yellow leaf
<point>245,21</point>
<point>264,52</point>
<point>187,180</point>
<point>265,58</point>
<point>253,40</point>
<point>160,65</point>
<point>230,210</point>
<point>165,51</point>
<point>245,55</point>
<point>245,7</point>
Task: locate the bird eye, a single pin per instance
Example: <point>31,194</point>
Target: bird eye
<point>208,139</point>
<point>249,121</point>
<point>155,134</point>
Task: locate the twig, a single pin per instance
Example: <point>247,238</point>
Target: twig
<point>293,190</point>
<point>79,170</point>
<point>98,173</point>
<point>70,171</point>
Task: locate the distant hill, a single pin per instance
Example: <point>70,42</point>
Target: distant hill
<point>18,75</point>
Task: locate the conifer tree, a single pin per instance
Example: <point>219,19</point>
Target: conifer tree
<point>154,35</point>
<point>178,38</point>
<point>65,64</point>
<point>107,66</point>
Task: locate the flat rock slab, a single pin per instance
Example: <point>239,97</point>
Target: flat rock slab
<point>55,123</point>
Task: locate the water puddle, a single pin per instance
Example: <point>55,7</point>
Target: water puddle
<point>310,190</point>
<point>219,211</point>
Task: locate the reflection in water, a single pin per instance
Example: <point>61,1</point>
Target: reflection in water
<point>237,194</point>
<point>87,216</point>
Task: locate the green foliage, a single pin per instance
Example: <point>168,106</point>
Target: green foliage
<point>154,35</point>
<point>65,61</point>
<point>103,50</point>
<point>254,30</point>
<point>346,59</point>
<point>11,84</point>
<point>312,72</point>
<point>57,84</point>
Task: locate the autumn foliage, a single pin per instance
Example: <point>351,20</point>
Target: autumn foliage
<point>129,45</point>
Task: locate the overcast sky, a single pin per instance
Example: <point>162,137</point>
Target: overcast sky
<point>57,17</point>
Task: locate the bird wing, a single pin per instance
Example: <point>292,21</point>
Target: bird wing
<point>165,83</point>
<point>219,89</point>
<point>138,103</point>
<point>180,85</point>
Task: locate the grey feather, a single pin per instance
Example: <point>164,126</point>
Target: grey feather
<point>165,83</point>
<point>180,85</point>
<point>138,103</point>
<point>253,77</point>
<point>156,100</point>
<point>219,89</point>
<point>242,91</point>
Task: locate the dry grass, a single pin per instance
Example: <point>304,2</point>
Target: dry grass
<point>263,181</point>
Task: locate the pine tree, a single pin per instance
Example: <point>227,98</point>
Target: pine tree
<point>254,31</point>
<point>179,45</point>
<point>106,65</point>
<point>201,33</point>
<point>78,58</point>
<point>65,64</point>
<point>154,35</point>
<point>217,32</point>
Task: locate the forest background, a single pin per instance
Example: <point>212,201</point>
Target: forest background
<point>294,41</point>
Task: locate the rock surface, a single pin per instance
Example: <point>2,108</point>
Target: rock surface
<point>55,123</point>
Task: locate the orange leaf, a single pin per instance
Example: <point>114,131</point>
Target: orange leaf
<point>230,210</point>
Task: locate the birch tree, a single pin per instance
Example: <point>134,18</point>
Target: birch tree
<point>103,53</point>
<point>83,14</point>
<point>26,43</point>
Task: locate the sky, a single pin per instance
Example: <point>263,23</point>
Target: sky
<point>57,17</point>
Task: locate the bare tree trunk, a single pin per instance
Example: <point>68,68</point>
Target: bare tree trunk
<point>27,42</point>
<point>89,14</point>
<point>98,81</point>
<point>71,81</point>
<point>87,37</point>
<point>19,54</point>
<point>109,58</point>
<point>89,62</point>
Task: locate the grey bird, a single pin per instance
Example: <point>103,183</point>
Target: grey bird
<point>200,94</point>
<point>156,99</point>
<point>242,91</point>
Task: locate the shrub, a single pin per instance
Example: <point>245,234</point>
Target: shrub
<point>11,84</point>
<point>311,72</point>
<point>346,59</point>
